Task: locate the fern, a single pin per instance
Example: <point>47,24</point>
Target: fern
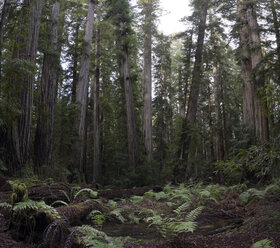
<point>93,194</point>
<point>113,203</point>
<point>66,195</point>
<point>60,202</point>
<point>116,213</point>
<point>136,198</point>
<point>181,227</point>
<point>181,208</point>
<point>25,205</point>
<point>266,243</point>
<point>193,214</point>
<point>5,205</point>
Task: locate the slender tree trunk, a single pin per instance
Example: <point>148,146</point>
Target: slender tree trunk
<point>75,76</point>
<point>97,173</point>
<point>276,28</point>
<point>26,49</point>
<point>130,110</point>
<point>219,127</point>
<point>82,90</point>
<point>48,91</point>
<point>225,133</point>
<point>181,152</point>
<point>2,24</point>
<point>211,133</point>
<point>260,104</point>
<point>147,115</point>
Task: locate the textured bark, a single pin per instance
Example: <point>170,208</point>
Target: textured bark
<point>246,67</point>
<point>260,105</point>
<point>197,70</point>
<point>48,91</point>
<point>97,173</point>
<point>75,76</point>
<point>147,115</point>
<point>82,90</point>
<point>2,24</point>
<point>26,49</point>
<point>254,105</point>
<point>130,110</point>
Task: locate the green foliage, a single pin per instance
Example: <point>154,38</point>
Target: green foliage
<point>92,237</point>
<point>5,205</point>
<point>96,217</point>
<point>93,194</point>
<point>254,164</point>
<point>116,214</point>
<point>257,194</point>
<point>266,243</point>
<point>20,192</point>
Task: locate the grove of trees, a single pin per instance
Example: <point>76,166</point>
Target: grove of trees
<point>92,91</point>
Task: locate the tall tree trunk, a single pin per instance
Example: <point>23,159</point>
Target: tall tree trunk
<point>246,67</point>
<point>147,115</point>
<point>130,110</point>
<point>194,91</point>
<point>225,133</point>
<point>276,28</point>
<point>75,76</point>
<point>219,128</point>
<point>48,90</point>
<point>97,173</point>
<point>197,70</point>
<point>26,49</point>
<point>82,90</point>
<point>181,152</point>
<point>260,104</point>
<point>2,24</point>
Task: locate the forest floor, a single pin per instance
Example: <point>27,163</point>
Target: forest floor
<point>195,216</point>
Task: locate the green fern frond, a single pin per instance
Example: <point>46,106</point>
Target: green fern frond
<point>266,243</point>
<point>147,211</point>
<point>5,205</point>
<point>193,214</point>
<point>65,194</point>
<point>93,194</point>
<point>156,220</point>
<point>25,205</point>
<point>181,208</point>
<point>113,203</point>
<point>181,226</point>
<point>116,213</point>
<point>60,202</point>
<point>136,198</point>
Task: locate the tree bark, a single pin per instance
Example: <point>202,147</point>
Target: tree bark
<point>2,24</point>
<point>82,90</point>
<point>97,173</point>
<point>254,104</point>
<point>260,104</point>
<point>147,115</point>
<point>48,91</point>
<point>246,68</point>
<point>26,49</point>
<point>197,70</point>
<point>130,110</point>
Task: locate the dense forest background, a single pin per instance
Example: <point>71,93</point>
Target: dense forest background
<point>91,91</point>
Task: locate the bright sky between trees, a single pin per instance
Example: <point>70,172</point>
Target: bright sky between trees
<point>173,11</point>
